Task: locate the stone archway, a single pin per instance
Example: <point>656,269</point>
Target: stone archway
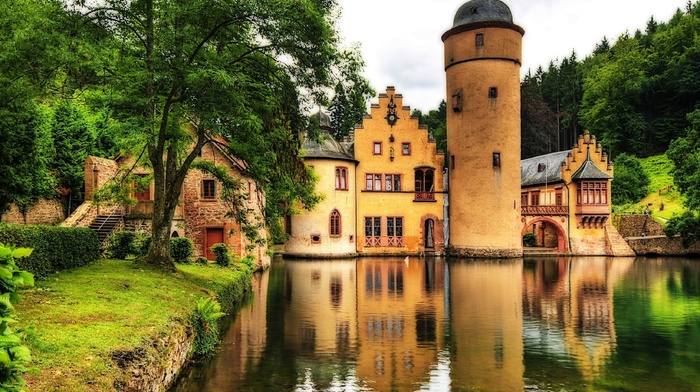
<point>548,233</point>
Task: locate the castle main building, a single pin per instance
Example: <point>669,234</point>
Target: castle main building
<point>388,191</point>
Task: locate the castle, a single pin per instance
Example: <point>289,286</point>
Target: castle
<point>388,191</point>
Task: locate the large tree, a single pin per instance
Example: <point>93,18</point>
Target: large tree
<point>186,72</point>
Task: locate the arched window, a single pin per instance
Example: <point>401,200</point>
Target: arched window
<point>335,223</point>
<point>425,188</point>
<point>341,178</point>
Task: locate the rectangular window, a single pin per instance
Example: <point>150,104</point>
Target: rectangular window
<point>394,227</point>
<point>394,231</point>
<point>523,199</point>
<point>592,192</point>
<point>373,182</point>
<point>479,40</point>
<point>377,148</point>
<point>535,198</point>
<point>496,159</point>
<point>392,182</point>
<point>373,230</point>
<point>208,189</point>
<point>452,162</point>
<point>406,148</point>
<point>341,178</point>
<point>493,92</point>
<point>558,198</point>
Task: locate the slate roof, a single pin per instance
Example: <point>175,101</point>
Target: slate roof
<point>482,11</point>
<point>328,148</point>
<point>589,171</point>
<point>529,174</point>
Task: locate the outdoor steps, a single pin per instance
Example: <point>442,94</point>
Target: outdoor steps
<point>615,243</point>
<point>105,224</point>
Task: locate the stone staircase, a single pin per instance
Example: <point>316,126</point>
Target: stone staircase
<point>615,243</point>
<point>104,224</point>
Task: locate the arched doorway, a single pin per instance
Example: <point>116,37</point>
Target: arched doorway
<point>548,234</point>
<point>429,234</point>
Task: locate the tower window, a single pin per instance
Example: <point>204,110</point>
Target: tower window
<point>493,92</point>
<point>335,223</point>
<point>496,159</point>
<point>479,40</point>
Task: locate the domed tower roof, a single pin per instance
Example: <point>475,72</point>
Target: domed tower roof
<point>327,148</point>
<point>324,120</point>
<point>482,11</point>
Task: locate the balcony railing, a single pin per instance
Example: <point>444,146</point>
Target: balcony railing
<point>544,210</point>
<point>424,196</point>
<point>391,242</point>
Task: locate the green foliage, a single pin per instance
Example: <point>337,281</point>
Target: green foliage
<point>73,138</point>
<point>249,261</point>
<point>181,249</point>
<point>538,123</point>
<point>55,248</point>
<point>631,181</point>
<point>687,225</point>
<point>13,355</point>
<point>205,323</point>
<point>201,260</point>
<point>123,244</point>
<point>684,152</point>
<point>529,239</point>
<point>244,71</point>
<point>221,256</point>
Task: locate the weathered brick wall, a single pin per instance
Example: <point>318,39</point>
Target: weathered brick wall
<point>44,212</point>
<point>662,245</point>
<point>201,213</point>
<point>97,172</point>
<point>637,225</point>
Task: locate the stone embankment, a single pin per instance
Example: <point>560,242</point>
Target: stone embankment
<point>646,237</point>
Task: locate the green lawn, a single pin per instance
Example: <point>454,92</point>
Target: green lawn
<point>83,315</point>
<point>663,199</point>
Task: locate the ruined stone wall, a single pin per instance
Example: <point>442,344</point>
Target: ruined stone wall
<point>44,212</point>
<point>662,245</point>
<point>637,225</point>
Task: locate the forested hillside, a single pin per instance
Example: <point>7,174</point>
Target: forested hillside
<point>634,94</point>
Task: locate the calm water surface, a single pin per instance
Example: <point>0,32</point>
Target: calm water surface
<point>554,324</point>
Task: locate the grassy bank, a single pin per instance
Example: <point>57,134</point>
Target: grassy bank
<point>84,315</point>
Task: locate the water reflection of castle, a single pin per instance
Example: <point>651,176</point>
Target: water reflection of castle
<point>384,324</point>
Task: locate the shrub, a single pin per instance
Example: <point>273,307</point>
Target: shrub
<point>205,323</point>
<point>122,244</point>
<point>221,256</point>
<point>202,260</point>
<point>55,248</point>
<point>249,261</point>
<point>181,249</point>
<point>13,355</point>
<point>529,239</point>
<point>145,244</point>
<point>631,181</point>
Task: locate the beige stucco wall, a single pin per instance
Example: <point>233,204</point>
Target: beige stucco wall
<point>375,128</point>
<point>316,223</point>
<point>484,199</point>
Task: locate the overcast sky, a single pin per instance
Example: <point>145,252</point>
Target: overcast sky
<point>401,45</point>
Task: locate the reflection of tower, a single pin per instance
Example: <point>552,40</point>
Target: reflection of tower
<point>482,64</point>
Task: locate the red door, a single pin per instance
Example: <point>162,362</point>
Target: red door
<point>213,235</point>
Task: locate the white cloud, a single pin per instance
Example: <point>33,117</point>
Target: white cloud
<point>401,41</point>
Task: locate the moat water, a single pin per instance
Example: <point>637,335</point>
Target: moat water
<point>539,324</point>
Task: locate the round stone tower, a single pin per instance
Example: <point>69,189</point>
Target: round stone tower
<point>483,53</point>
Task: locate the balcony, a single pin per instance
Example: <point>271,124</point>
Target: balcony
<point>544,210</point>
<point>593,209</point>
<point>424,196</point>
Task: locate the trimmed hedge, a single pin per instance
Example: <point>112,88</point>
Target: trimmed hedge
<point>55,248</point>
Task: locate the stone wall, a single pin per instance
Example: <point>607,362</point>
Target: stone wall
<point>662,245</point>
<point>44,212</point>
<point>637,225</point>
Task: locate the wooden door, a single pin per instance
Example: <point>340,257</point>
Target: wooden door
<point>213,235</point>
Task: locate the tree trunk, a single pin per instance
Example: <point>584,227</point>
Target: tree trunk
<point>159,253</point>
